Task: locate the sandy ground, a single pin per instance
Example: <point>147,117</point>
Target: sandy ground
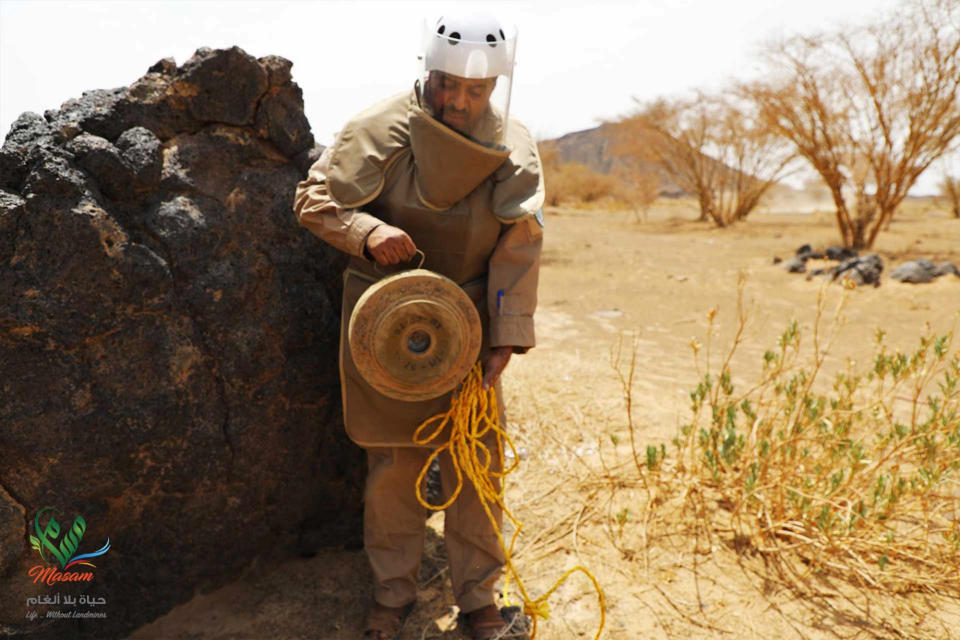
<point>608,279</point>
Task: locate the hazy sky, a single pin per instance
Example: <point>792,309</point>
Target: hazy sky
<point>577,62</point>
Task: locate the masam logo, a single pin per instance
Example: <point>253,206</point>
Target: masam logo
<point>55,549</point>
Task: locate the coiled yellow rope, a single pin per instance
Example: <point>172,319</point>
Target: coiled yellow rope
<point>472,415</point>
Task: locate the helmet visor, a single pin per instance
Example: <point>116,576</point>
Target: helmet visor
<point>466,83</point>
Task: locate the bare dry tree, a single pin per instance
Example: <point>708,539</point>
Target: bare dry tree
<point>711,147</point>
<point>869,108</point>
<point>950,190</point>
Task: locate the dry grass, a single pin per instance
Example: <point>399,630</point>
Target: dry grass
<point>860,481</point>
<point>853,479</point>
<point>572,184</point>
<point>575,184</point>
<point>692,539</point>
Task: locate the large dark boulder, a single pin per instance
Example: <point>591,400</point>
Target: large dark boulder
<point>168,340</point>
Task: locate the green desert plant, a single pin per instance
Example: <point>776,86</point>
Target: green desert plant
<point>859,478</point>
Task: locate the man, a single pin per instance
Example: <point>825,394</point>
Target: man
<point>441,170</point>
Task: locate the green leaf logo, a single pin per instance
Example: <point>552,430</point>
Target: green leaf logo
<point>59,545</point>
<point>48,536</point>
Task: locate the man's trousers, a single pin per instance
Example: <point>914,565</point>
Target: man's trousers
<point>394,526</point>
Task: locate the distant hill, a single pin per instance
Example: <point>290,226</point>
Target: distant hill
<point>593,148</point>
<point>590,147</point>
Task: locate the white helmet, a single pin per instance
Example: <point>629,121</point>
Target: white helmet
<point>472,45</point>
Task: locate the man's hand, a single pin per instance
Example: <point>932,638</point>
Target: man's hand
<point>494,364</point>
<point>390,245</point>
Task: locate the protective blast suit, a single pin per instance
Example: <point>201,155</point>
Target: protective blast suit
<point>475,212</point>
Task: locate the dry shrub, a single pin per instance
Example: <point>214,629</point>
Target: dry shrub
<point>950,191</point>
<point>861,481</point>
<point>637,190</point>
<point>574,184</point>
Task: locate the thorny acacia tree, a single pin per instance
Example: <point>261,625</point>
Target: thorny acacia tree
<point>709,146</point>
<point>869,108</point>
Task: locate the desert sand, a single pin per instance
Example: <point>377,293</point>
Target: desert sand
<point>609,279</point>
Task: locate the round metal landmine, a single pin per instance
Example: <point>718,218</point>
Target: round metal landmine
<point>414,335</point>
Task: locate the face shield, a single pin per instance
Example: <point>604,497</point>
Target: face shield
<point>467,75</point>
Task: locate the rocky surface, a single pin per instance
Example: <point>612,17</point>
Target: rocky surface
<point>806,252</point>
<point>922,270</point>
<point>839,253</point>
<point>168,339</point>
<point>798,263</point>
<point>795,264</point>
<point>948,267</point>
<point>861,270</point>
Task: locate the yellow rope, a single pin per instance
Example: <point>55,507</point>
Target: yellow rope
<point>473,414</point>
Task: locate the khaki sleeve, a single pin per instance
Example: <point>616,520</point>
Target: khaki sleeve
<point>345,229</point>
<point>512,280</point>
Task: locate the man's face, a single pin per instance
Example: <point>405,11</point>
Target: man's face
<point>458,102</point>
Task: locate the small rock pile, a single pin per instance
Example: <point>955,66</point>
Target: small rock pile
<point>861,270</point>
<point>865,269</point>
